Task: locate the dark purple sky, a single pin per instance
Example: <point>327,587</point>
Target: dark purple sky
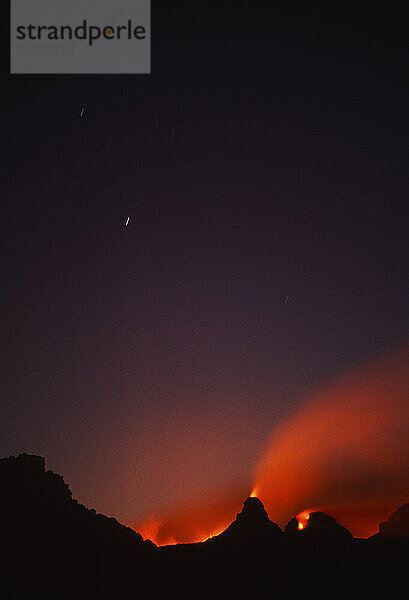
<point>263,158</point>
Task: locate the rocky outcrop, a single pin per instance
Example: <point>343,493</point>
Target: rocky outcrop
<point>397,526</point>
<point>252,523</point>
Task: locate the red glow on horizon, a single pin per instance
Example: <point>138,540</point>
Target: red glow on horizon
<point>198,522</point>
<point>151,530</point>
<point>344,452</point>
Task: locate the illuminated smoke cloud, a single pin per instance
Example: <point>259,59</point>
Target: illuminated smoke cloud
<point>196,522</point>
<point>345,452</point>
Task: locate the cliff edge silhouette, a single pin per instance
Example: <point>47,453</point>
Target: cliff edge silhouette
<point>54,547</point>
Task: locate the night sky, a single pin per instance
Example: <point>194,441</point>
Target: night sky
<point>263,168</point>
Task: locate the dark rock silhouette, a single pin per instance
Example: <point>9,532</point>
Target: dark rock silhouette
<point>319,527</point>
<point>35,497</point>
<point>56,548</point>
<point>291,529</point>
<point>397,526</point>
<point>53,543</point>
<point>322,527</point>
<point>252,523</point>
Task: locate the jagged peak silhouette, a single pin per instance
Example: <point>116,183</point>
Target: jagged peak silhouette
<point>397,525</point>
<point>319,526</point>
<point>37,499</point>
<point>57,548</point>
<point>252,523</point>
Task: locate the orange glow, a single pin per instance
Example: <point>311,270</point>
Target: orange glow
<point>150,529</point>
<point>345,451</point>
<point>158,535</point>
<point>199,521</point>
<point>302,519</point>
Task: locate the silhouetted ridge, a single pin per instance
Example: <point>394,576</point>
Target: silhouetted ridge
<point>292,527</point>
<point>253,510</point>
<point>397,526</point>
<point>319,527</point>
<point>252,523</point>
<point>323,527</point>
<point>55,548</point>
<point>39,502</point>
<point>55,544</point>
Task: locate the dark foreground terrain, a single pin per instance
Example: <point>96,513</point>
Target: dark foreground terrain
<point>55,548</point>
